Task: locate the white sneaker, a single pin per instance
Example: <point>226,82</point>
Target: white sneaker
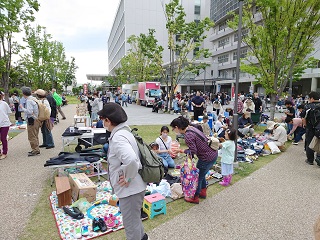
<point>77,231</point>
<point>295,143</point>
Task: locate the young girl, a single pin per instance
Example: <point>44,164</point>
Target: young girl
<point>164,142</point>
<point>227,148</point>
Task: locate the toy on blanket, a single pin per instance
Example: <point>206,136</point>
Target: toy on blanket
<point>101,224</point>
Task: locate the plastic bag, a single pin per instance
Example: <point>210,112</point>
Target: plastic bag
<point>82,204</point>
<point>273,147</point>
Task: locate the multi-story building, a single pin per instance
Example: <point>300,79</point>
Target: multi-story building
<point>135,17</point>
<point>223,44</point>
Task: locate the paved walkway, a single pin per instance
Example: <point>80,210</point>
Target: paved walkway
<point>279,201</point>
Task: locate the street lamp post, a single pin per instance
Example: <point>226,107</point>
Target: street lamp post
<point>235,111</point>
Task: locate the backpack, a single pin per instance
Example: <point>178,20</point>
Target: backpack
<point>313,116</point>
<point>44,112</point>
<point>152,165</point>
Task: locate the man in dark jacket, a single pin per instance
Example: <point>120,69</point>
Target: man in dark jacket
<point>257,103</point>
<point>309,121</point>
<point>198,105</point>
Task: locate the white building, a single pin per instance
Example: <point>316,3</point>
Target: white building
<point>135,17</point>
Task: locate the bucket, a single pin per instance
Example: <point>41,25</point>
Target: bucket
<point>200,118</point>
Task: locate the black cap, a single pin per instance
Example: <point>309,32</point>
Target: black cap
<point>114,112</point>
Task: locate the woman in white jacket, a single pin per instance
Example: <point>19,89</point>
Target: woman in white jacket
<point>95,107</point>
<point>124,163</point>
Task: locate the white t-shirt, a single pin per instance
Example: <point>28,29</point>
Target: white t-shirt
<point>4,114</point>
<point>167,142</point>
<point>218,127</point>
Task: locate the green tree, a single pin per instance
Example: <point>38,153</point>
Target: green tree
<point>13,14</point>
<point>279,45</point>
<point>184,42</point>
<point>45,62</point>
<point>70,76</point>
<point>140,65</point>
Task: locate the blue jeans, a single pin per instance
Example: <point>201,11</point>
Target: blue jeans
<point>289,126</point>
<point>204,167</point>
<point>167,160</point>
<point>46,136</point>
<point>298,133</point>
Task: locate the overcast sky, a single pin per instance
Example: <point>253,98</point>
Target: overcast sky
<point>83,27</point>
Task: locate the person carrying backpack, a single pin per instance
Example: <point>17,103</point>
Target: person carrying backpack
<point>31,111</point>
<point>124,164</point>
<point>310,120</point>
<point>47,124</point>
<point>58,99</point>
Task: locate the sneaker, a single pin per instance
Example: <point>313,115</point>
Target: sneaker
<point>77,231</point>
<point>85,230</point>
<point>64,118</point>
<point>310,163</point>
<point>42,146</point>
<point>3,156</point>
<point>295,143</point>
<point>48,147</point>
<point>30,154</point>
<point>145,237</point>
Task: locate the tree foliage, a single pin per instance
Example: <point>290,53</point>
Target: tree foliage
<point>185,43</point>
<point>45,62</point>
<point>13,15</point>
<point>142,60</point>
<point>280,44</point>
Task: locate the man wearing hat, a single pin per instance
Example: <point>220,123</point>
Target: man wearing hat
<point>279,135</point>
<point>124,164</point>
<point>245,124</point>
<point>31,111</point>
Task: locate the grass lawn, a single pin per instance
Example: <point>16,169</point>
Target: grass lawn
<point>41,225</point>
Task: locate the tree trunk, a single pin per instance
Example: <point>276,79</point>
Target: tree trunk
<point>273,102</point>
<point>5,84</point>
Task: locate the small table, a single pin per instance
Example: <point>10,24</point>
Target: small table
<point>95,165</point>
<point>82,119</point>
<point>86,137</point>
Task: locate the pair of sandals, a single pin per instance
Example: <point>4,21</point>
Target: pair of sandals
<point>98,224</point>
<point>74,213</point>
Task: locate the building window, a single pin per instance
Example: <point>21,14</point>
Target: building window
<point>234,73</point>
<point>222,26</point>
<point>223,73</point>
<point>223,58</point>
<point>243,54</point>
<point>195,51</point>
<point>223,42</point>
<point>211,73</point>
<point>197,10</point>
<point>244,34</point>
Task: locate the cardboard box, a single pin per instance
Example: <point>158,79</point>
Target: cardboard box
<point>63,190</point>
<point>82,186</point>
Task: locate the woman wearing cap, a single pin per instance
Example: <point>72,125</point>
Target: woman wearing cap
<point>4,125</point>
<point>197,144</point>
<point>124,163</point>
<point>279,134</point>
<point>245,124</point>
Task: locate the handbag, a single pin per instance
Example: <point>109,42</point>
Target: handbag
<point>189,175</point>
<point>315,144</point>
